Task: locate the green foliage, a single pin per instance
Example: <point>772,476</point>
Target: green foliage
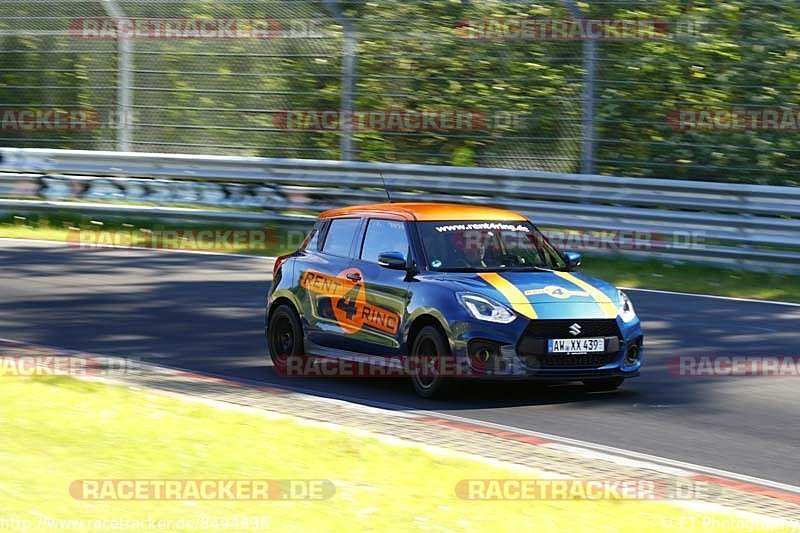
<point>221,96</point>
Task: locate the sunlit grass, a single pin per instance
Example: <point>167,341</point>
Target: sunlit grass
<point>696,278</point>
<point>58,430</point>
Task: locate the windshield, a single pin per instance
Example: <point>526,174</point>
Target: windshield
<point>456,246</point>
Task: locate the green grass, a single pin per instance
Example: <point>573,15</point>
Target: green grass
<point>692,277</point>
<point>57,430</point>
<point>72,229</point>
<point>649,274</point>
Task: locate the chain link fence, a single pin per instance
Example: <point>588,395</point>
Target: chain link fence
<point>688,89</point>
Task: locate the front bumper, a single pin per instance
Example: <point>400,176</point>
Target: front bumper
<point>518,350</point>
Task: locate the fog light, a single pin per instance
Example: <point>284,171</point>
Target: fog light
<point>483,354</point>
<point>632,355</point>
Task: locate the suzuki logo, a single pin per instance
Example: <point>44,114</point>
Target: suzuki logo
<point>575,329</point>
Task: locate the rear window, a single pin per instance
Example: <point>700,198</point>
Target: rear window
<point>340,236</point>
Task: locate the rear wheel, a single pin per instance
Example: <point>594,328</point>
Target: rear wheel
<point>603,385</point>
<point>428,346</point>
<point>284,335</point>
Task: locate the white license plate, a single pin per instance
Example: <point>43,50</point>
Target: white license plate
<point>591,345</point>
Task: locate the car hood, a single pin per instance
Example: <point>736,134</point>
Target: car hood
<point>542,294</point>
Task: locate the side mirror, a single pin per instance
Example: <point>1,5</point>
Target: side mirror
<point>394,260</point>
<point>573,259</point>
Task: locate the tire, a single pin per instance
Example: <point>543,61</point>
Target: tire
<point>603,385</point>
<point>430,342</point>
<point>284,335</point>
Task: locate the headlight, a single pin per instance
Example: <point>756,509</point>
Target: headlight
<point>484,308</point>
<point>625,309</point>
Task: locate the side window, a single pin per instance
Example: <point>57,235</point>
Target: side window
<point>384,236</point>
<point>340,236</point>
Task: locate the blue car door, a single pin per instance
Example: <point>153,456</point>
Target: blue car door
<point>325,281</point>
<point>381,299</point>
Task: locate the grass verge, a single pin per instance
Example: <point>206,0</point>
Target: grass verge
<point>696,278</point>
<point>57,430</point>
<point>84,232</point>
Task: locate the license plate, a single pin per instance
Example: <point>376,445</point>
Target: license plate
<point>591,345</point>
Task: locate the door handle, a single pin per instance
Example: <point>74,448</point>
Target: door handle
<point>353,276</point>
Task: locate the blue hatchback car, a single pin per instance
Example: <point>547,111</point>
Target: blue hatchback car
<point>478,285</point>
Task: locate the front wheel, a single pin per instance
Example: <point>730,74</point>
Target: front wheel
<point>429,345</point>
<point>603,385</point>
<point>284,336</point>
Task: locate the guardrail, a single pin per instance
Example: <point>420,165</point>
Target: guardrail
<point>746,226</point>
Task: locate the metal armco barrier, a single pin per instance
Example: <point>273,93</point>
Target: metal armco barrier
<point>743,226</point>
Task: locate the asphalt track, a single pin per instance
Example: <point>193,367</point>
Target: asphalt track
<point>205,313</point>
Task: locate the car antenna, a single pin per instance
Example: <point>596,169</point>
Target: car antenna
<point>385,188</point>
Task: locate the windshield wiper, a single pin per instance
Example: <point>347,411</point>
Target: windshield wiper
<point>530,268</point>
<point>463,269</point>
<point>495,269</point>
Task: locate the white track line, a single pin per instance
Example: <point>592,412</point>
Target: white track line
<point>592,450</point>
<point>584,448</point>
<point>694,295</point>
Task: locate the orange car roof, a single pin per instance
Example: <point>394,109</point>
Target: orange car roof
<point>426,211</point>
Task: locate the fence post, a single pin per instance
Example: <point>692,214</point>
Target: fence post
<point>349,57</point>
<point>124,81</point>
<point>589,98</point>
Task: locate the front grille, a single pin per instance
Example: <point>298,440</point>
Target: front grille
<point>560,329</point>
<point>572,361</point>
<point>532,346</point>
